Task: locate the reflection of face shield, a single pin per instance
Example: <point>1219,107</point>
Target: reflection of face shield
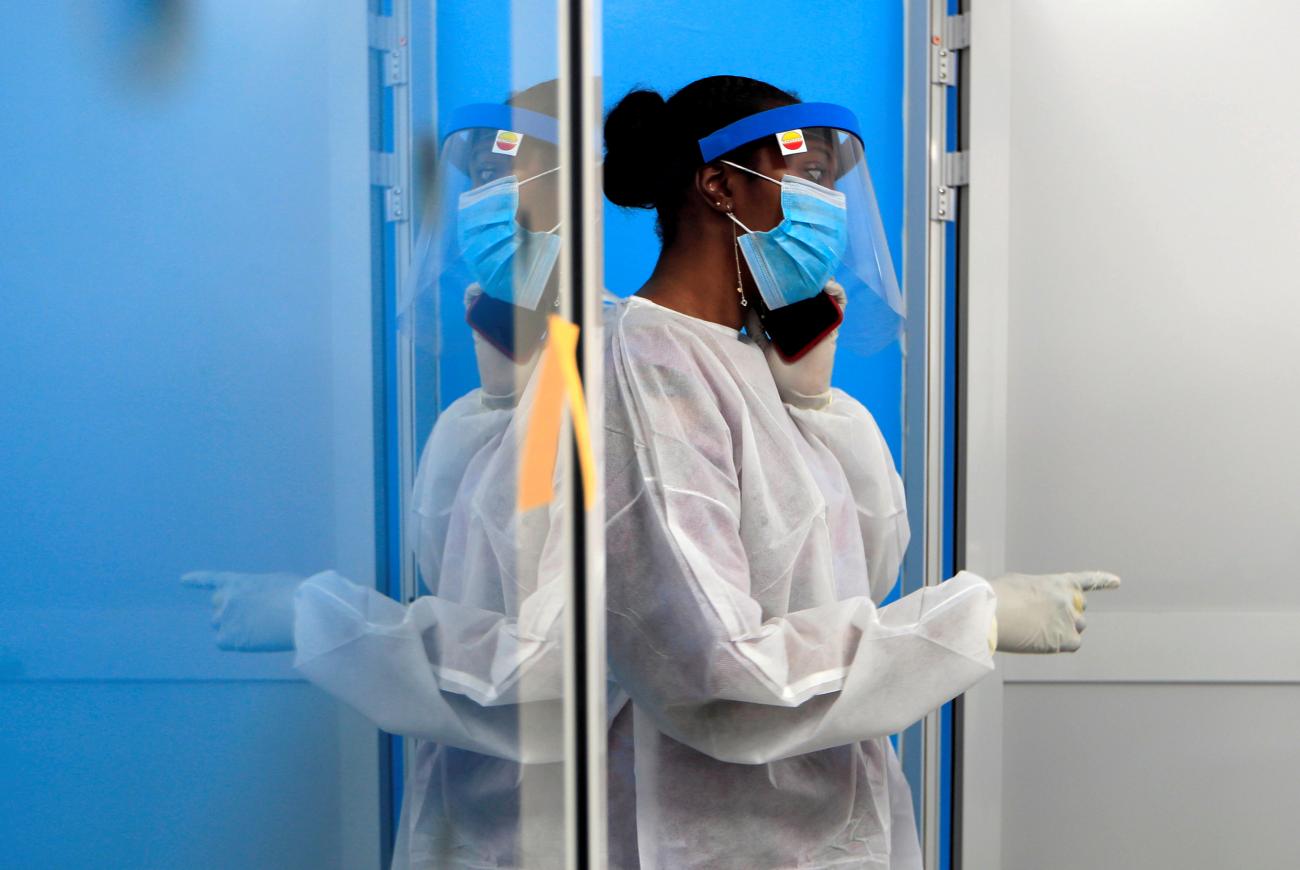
<point>491,236</point>
<point>830,227</point>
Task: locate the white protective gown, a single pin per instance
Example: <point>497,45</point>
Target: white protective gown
<point>749,543</point>
<point>741,620</point>
<point>473,671</point>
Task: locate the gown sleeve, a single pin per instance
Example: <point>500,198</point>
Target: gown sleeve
<point>476,665</point>
<point>848,431</point>
<point>687,639</point>
<point>433,669</point>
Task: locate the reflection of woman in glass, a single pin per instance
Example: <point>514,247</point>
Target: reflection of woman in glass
<point>756,520</point>
<point>472,670</point>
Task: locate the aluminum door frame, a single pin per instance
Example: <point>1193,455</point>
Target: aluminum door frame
<point>933,42</point>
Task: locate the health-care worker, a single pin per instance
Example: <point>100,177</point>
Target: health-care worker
<point>755,517</point>
<point>473,670</point>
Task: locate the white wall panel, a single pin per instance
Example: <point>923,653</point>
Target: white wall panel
<point>1134,334</point>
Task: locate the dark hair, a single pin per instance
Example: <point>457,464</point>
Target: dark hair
<point>652,145</point>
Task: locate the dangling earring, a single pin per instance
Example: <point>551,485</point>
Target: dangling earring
<point>740,285</point>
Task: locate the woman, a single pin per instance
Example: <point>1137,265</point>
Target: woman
<point>471,671</point>
<point>755,519</point>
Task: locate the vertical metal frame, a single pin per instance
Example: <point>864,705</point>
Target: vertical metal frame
<point>580,273</point>
<point>960,709</point>
<point>577,53</point>
<point>391,175</point>
<point>391,37</point>
<point>982,503</point>
<point>930,71</point>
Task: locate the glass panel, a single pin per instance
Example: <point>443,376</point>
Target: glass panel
<point>291,406</point>
<point>186,312</point>
<point>482,659</point>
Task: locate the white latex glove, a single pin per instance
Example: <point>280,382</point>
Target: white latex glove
<point>1043,613</point>
<point>501,378</point>
<point>806,382</point>
<point>251,612</point>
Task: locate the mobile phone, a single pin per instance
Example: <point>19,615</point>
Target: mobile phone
<point>796,328</point>
<point>514,331</point>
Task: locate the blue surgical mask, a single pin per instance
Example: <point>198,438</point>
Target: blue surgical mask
<point>793,261</point>
<point>510,263</point>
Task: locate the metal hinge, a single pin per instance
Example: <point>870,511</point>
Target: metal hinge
<point>956,31</point>
<point>387,38</point>
<point>383,169</point>
<point>956,168</point>
<point>954,172</point>
<point>954,36</point>
<point>385,173</point>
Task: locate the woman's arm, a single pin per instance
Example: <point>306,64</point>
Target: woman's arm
<point>433,669</point>
<point>688,640</point>
<point>476,665</point>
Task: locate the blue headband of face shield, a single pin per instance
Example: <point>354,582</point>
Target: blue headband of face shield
<point>497,116</point>
<point>777,120</point>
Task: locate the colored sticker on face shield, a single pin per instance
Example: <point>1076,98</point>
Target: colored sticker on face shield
<point>792,142</point>
<point>507,142</point>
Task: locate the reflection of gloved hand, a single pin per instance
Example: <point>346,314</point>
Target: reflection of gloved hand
<point>806,382</point>
<point>1043,613</point>
<point>501,378</point>
<point>251,612</point>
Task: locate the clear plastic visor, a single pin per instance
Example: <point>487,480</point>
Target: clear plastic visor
<point>835,159</point>
<point>490,224</point>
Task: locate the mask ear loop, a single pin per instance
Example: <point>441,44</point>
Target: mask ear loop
<point>552,230</point>
<point>556,303</point>
<point>538,175</point>
<point>751,171</point>
<point>736,220</point>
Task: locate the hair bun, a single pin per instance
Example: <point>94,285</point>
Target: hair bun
<point>636,131</point>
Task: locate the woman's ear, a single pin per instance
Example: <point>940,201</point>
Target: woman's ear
<point>712,186</point>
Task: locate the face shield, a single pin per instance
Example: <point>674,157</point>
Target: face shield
<point>491,239</point>
<point>828,228</point>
